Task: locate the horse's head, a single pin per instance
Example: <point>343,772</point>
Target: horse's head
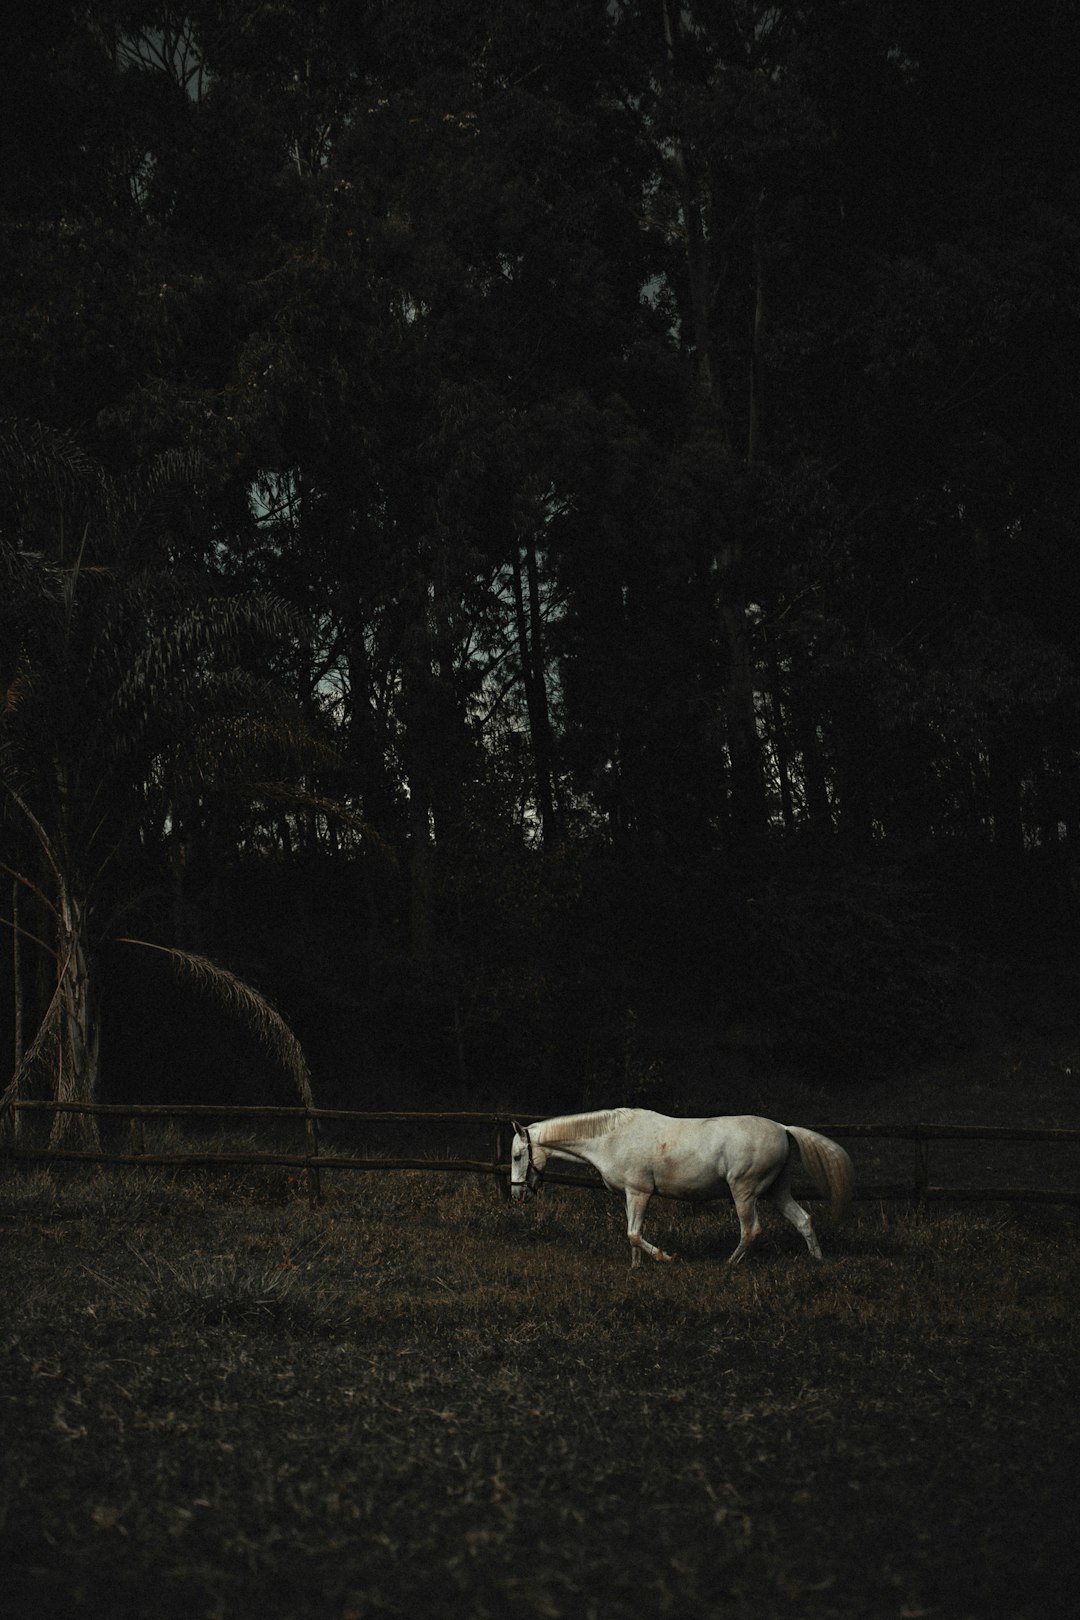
<point>527,1160</point>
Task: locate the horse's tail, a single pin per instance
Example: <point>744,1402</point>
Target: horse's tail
<point>828,1165</point>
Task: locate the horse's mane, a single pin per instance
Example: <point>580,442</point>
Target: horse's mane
<point>578,1127</point>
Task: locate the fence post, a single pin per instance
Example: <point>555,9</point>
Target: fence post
<point>314,1183</point>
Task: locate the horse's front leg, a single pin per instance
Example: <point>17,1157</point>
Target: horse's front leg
<point>636,1204</point>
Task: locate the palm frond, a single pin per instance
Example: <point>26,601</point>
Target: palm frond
<point>16,691</point>
<point>299,798</point>
<point>179,650</point>
<point>146,504</point>
<point>33,456</point>
<point>45,843</point>
<point>241,998</point>
<point>38,893</point>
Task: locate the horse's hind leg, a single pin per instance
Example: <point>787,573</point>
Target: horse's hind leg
<point>636,1205</point>
<point>749,1225</point>
<point>798,1217</point>
<point>780,1195</point>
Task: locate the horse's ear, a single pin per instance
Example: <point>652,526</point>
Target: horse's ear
<point>517,1128</point>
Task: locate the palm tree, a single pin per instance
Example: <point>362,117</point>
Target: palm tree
<point>118,674</point>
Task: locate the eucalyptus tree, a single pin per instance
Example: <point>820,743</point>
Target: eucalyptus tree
<point>124,692</point>
<point>928,380</point>
<point>656,409</point>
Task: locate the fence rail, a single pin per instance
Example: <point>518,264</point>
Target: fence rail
<point>314,1158</point>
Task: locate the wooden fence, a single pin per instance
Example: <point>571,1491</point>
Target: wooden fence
<point>314,1157</point>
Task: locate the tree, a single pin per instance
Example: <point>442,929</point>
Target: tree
<point>118,672</point>
<point>658,413</point>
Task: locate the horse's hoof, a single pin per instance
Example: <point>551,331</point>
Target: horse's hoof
<point>662,1255</point>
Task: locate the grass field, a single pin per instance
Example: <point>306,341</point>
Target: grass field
<point>420,1400</point>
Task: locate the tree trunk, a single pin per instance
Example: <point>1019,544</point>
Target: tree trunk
<point>780,744</point>
<point>748,811</point>
<point>530,649</point>
<point>367,739</point>
<point>818,811</point>
<point>419,746</point>
<point>698,268</point>
<point>1005,795</point>
<point>79,1036</point>
<point>17,999</point>
<point>16,974</point>
<point>756,423</point>
<point>421,885</point>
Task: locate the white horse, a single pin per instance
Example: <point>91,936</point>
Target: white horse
<point>641,1153</point>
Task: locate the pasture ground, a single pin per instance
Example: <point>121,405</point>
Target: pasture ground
<point>421,1400</point>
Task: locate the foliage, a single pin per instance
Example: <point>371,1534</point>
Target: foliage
<point>634,431</point>
<point>117,670</point>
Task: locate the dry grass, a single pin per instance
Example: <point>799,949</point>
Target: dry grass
<point>421,1400</point>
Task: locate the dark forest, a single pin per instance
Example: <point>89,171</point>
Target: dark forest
<point>538,542</point>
